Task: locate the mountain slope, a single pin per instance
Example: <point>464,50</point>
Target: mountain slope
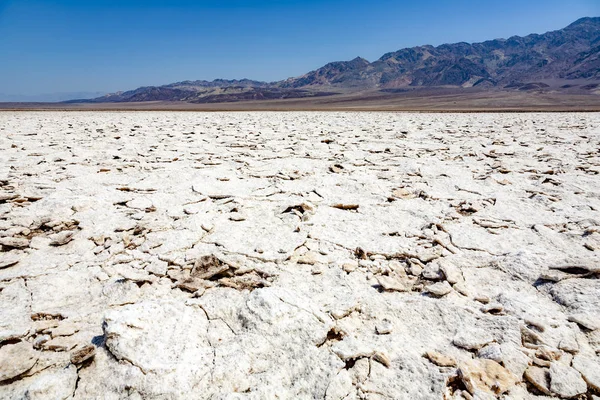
<point>569,53</point>
<point>560,59</point>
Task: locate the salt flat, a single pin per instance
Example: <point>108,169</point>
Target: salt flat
<point>165,255</point>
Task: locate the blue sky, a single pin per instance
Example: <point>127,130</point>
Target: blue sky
<point>109,45</point>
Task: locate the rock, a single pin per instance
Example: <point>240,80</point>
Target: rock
<point>156,337</point>
<point>493,308</point>
<point>208,266</point>
<point>15,359</point>
<point>39,341</point>
<point>384,327</point>
<point>403,193</point>
<point>61,343</point>
<point>55,382</point>
<point>514,359</point>
<point>352,349</point>
<point>130,308</point>
<point>4,197</point>
<point>157,267</point>
<point>589,368</point>
<point>492,351</point>
<point>309,258</point>
<point>343,206</point>
<point>485,376</point>
<point>432,272</point>
<point>82,354</point>
<point>588,321</point>
<point>140,203</point>
<point>565,381</point>
<point>539,378</point>
<point>569,344</point>
<point>14,243</point>
<point>9,259</point>
<point>391,283</point>
<point>440,360</point>
<point>451,272</point>
<point>61,238</point>
<point>350,266</point>
<point>340,387</point>
<point>382,359</point>
<point>237,217</point>
<point>473,340</point>
<point>64,329</point>
<point>461,288</point>
<point>439,289</point>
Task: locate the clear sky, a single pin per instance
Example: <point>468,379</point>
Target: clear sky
<point>51,46</point>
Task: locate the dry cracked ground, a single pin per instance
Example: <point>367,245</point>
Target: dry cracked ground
<point>164,255</point>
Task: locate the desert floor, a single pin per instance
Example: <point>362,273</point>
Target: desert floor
<point>299,255</point>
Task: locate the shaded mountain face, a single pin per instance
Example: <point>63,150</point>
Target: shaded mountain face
<point>521,63</point>
<point>339,72</point>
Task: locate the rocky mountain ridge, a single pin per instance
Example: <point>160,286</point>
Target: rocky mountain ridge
<point>563,59</point>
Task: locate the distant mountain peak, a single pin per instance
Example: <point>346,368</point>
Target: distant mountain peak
<point>585,21</point>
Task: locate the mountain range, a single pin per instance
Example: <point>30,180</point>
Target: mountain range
<point>563,60</point>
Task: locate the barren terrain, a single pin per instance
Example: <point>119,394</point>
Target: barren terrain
<point>299,255</point>
<point>428,99</point>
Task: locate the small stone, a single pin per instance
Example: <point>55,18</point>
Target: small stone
<point>487,376</point>
<point>473,340</point>
<point>451,272</point>
<point>341,206</point>
<point>8,260</point>
<point>492,351</point>
<point>391,284</point>
<point>439,289</point>
<point>207,227</point>
<point>336,168</point>
<point>61,238</point>
<point>4,197</point>
<point>317,270</point>
<point>140,203</point>
<point>384,327</point>
<point>382,358</point>
<point>461,288</point>
<point>403,193</point>
<point>16,359</point>
<point>569,344</point>
<point>40,340</point>
<point>208,266</point>
<point>415,269</point>
<point>44,324</point>
<point>64,329</point>
<point>14,243</point>
<point>528,336</point>
<point>493,308</point>
<point>157,267</point>
<point>589,369</point>
<point>309,258</point>
<point>440,360</point>
<point>82,354</point>
<point>60,343</point>
<point>350,266</point>
<point>587,321</point>
<point>566,381</point>
<point>539,378</point>
<point>237,217</point>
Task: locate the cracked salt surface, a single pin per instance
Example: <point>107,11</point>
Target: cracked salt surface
<point>299,255</point>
